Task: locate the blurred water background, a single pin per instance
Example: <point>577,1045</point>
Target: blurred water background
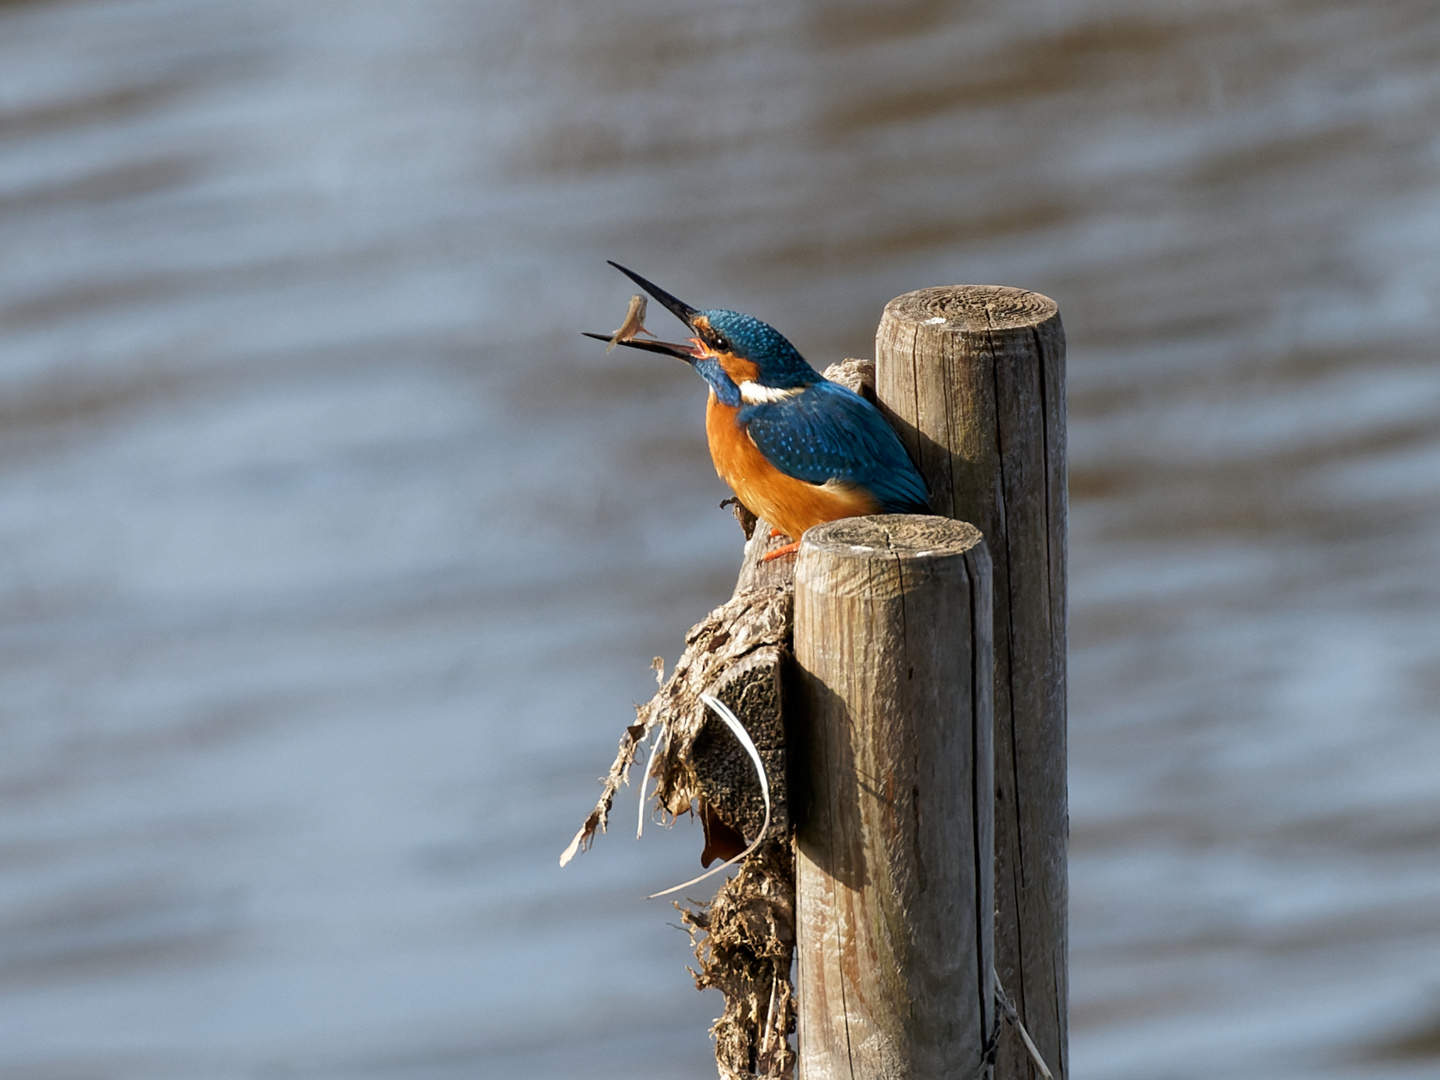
<point>332,558</point>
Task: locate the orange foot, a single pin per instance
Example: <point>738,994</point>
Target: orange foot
<point>774,533</point>
<point>785,549</point>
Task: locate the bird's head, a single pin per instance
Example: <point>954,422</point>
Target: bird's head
<point>728,347</point>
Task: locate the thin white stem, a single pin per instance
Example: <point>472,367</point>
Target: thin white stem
<point>1013,1015</point>
<point>649,771</point>
<point>722,710</point>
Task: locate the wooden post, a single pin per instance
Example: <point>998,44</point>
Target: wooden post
<point>894,869</point>
<point>973,378</point>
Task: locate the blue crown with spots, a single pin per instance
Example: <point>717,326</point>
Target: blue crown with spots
<point>780,363</point>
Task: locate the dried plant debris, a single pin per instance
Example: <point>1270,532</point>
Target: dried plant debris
<point>619,774</point>
<point>741,642</point>
<point>744,940</point>
<point>745,937</point>
<point>745,640</point>
<point>742,514</point>
<point>856,375</point>
<point>751,689</point>
<point>714,820</point>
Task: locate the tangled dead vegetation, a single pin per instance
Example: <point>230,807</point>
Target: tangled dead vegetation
<point>737,652</point>
<point>744,940</point>
<point>745,937</point>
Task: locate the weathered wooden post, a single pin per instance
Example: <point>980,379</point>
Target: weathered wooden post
<point>894,865</point>
<point>925,733</point>
<point>973,378</point>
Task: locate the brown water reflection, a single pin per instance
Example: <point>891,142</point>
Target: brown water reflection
<point>333,558</point>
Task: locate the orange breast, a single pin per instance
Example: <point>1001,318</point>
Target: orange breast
<point>791,505</point>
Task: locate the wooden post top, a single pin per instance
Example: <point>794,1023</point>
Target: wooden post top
<point>907,536</point>
<point>886,555</point>
<point>973,308</point>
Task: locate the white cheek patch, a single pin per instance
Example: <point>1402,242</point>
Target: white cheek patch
<point>752,393</point>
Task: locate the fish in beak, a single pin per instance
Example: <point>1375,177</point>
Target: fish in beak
<point>677,307</point>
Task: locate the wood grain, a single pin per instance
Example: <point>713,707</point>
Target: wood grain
<point>894,868</point>
<point>973,378</point>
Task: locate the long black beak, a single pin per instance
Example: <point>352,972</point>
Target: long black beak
<point>677,307</point>
<point>665,348</point>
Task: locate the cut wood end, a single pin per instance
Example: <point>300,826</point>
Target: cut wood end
<point>853,374</point>
<point>971,308</point>
<point>914,536</point>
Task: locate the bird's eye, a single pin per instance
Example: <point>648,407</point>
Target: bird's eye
<point>722,343</point>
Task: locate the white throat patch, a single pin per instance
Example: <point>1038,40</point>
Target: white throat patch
<point>752,393</point>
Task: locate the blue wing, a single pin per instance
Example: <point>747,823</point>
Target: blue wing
<point>830,433</point>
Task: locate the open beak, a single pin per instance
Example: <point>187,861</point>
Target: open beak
<point>681,310</point>
<point>677,307</point>
<point>688,353</point>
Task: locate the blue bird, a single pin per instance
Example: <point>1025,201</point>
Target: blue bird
<point>794,447</point>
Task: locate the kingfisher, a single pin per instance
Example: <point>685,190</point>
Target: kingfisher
<point>795,448</point>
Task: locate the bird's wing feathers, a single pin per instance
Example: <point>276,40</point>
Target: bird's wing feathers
<point>830,433</point>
